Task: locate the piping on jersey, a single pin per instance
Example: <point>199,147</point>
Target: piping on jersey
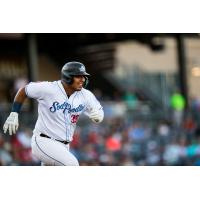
<point>84,98</point>
<point>45,153</point>
<point>65,117</point>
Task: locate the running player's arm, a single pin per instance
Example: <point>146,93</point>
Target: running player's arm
<point>12,124</point>
<point>33,90</point>
<point>20,96</point>
<point>94,110</point>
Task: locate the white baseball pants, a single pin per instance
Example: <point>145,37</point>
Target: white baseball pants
<point>52,152</point>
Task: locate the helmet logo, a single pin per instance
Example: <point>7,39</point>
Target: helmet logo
<point>82,69</point>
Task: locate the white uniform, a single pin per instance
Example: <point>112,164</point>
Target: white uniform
<point>57,118</point>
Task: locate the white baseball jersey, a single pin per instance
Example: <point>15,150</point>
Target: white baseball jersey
<point>58,114</point>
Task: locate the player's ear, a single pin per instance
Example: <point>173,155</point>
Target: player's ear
<point>71,80</point>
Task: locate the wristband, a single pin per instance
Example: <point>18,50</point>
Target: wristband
<point>16,107</point>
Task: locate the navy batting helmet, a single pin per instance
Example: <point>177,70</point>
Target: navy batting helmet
<point>71,69</point>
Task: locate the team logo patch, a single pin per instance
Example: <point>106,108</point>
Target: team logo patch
<point>82,69</point>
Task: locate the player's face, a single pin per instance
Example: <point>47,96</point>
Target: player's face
<point>78,82</point>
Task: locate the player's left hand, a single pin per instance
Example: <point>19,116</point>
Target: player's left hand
<point>11,123</point>
<point>96,116</point>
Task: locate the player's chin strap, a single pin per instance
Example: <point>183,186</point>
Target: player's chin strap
<point>86,82</point>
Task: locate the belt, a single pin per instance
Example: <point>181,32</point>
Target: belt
<point>62,141</point>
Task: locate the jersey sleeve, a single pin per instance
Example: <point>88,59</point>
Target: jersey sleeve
<point>92,103</point>
<point>36,90</point>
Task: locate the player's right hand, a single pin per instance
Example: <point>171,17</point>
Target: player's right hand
<point>11,124</point>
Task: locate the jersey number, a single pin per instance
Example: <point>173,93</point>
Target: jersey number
<point>74,118</point>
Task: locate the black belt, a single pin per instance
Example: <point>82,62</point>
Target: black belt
<point>62,141</point>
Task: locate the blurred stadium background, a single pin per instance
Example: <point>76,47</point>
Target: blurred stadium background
<point>148,85</point>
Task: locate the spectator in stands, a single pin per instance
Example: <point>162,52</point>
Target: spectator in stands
<point>177,102</point>
<point>5,152</point>
<point>195,110</point>
<point>131,100</point>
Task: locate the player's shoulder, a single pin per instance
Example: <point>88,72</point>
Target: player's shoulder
<point>86,93</point>
<point>55,83</point>
<point>52,84</point>
<point>45,86</point>
<point>41,83</point>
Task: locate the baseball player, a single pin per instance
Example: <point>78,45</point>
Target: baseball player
<point>60,104</point>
